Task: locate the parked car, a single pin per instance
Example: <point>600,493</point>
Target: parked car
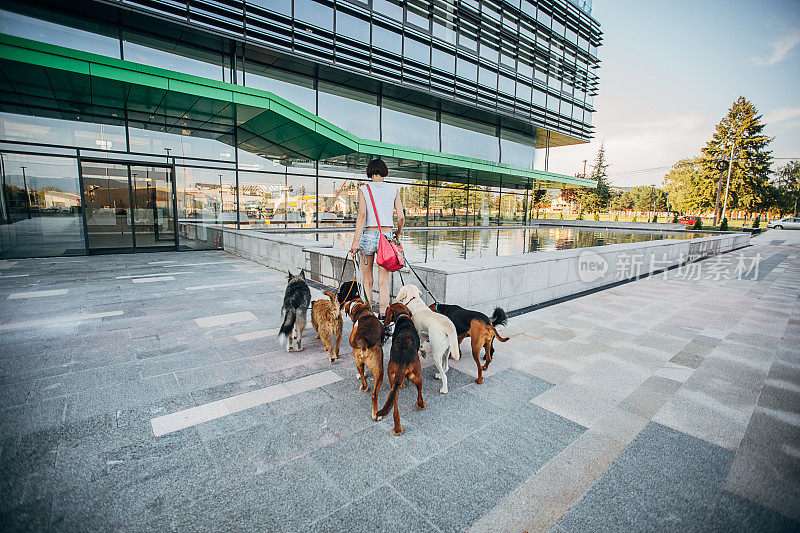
<point>785,223</point>
<point>689,220</point>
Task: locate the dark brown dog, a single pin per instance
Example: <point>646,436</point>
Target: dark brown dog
<point>403,360</point>
<point>327,321</point>
<point>367,342</point>
<point>479,327</point>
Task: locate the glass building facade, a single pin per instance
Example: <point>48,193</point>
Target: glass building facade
<point>495,81</point>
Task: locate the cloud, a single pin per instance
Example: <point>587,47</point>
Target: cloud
<point>782,115</point>
<point>780,50</point>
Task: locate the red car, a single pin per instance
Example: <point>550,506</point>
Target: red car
<point>689,220</point>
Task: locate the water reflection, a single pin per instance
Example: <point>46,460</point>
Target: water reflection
<point>452,243</point>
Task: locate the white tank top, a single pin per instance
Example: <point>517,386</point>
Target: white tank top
<point>384,194</point>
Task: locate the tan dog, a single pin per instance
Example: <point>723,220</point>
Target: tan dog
<point>435,328</point>
<point>327,321</point>
<point>367,343</point>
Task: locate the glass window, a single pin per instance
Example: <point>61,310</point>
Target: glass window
<point>444,31</point>
<point>154,142</point>
<point>349,109</point>
<point>418,17</point>
<point>466,69</point>
<point>539,97</point>
<point>280,6</point>
<point>206,195</point>
<point>489,52</point>
<point>558,28</point>
<point>409,125</point>
<point>172,56</point>
<point>443,60</point>
<point>487,77</point>
<point>467,42</point>
<point>352,27</point>
<point>544,18</point>
<point>318,15</point>
<point>506,85</point>
<point>41,207</point>
<point>299,90</point>
<point>64,132</point>
<point>388,8</point>
<point>508,60</point>
<point>387,39</point>
<point>516,148</point>
<point>417,50</point>
<point>48,32</point>
<point>523,91</point>
<point>468,138</point>
<point>552,103</point>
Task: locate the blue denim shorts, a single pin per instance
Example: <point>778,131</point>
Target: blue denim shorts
<point>369,241</point>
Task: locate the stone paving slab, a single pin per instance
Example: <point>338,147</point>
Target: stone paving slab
<point>664,403</point>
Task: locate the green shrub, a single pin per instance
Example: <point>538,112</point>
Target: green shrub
<point>675,218</point>
<point>655,218</point>
<point>757,221</point>
<point>561,215</point>
<point>634,218</point>
<point>616,218</point>
<point>698,224</point>
<point>723,226</point>
<point>597,216</point>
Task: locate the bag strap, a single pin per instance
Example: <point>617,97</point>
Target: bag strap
<point>374,209</point>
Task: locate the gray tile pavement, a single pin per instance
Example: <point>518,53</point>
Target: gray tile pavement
<point>663,403</point>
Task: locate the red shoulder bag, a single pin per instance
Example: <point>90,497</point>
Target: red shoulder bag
<point>389,254</point>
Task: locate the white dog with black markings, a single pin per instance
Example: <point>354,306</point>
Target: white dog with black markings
<point>433,327</point>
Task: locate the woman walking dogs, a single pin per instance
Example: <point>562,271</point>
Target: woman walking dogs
<point>387,200</point>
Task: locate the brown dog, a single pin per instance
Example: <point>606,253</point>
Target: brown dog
<point>479,327</point>
<point>367,342</point>
<point>403,360</point>
<point>327,321</point>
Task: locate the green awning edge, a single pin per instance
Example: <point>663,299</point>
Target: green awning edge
<point>48,56</point>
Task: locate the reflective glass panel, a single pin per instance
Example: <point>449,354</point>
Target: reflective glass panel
<point>516,148</point>
<point>202,64</point>
<point>41,207</point>
<point>409,125</point>
<point>388,8</point>
<point>472,139</point>
<point>311,12</point>
<point>352,27</point>
<point>281,6</point>
<point>48,32</point>
<point>443,60</point>
<point>387,39</point>
<point>466,69</point>
<point>297,89</point>
<point>417,50</point>
<point>352,110</point>
<point>487,77</point>
<point>64,132</point>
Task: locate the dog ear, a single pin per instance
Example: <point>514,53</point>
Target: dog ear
<point>302,274</point>
<point>290,274</point>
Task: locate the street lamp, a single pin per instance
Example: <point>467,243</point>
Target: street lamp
<point>221,201</point>
<point>27,195</point>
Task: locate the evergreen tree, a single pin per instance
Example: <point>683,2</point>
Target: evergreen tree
<point>743,131</point>
<point>687,187</point>
<point>786,190</point>
<point>600,197</point>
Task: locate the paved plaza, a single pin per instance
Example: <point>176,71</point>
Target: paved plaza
<point>149,393</point>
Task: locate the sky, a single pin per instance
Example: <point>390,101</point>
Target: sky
<point>669,72</point>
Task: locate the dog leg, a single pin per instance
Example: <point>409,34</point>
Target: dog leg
<point>326,342</point>
<point>398,428</point>
<point>440,374</point>
<point>376,367</point>
<point>487,353</point>
<point>299,326</point>
<point>337,339</point>
<point>476,354</point>
<point>416,379</point>
<point>360,367</point>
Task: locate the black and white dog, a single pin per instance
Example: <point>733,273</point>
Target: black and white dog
<point>294,311</point>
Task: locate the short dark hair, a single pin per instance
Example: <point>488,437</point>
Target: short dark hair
<point>376,166</point>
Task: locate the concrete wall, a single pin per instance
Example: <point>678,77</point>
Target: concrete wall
<point>512,282</point>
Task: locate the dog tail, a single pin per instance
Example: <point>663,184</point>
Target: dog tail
<point>501,339</point>
<point>499,317</point>
<point>289,316</point>
<point>455,351</point>
<point>335,309</point>
<point>390,401</point>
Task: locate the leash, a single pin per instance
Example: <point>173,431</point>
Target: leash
<point>341,276</point>
<point>420,279</point>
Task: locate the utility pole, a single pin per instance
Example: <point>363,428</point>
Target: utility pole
<point>221,201</point>
<point>584,167</point>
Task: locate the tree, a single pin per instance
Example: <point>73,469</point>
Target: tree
<point>687,188</point>
<point>786,188</point>
<point>600,197</point>
<point>740,132</point>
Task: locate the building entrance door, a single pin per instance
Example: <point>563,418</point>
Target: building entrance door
<point>128,207</point>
